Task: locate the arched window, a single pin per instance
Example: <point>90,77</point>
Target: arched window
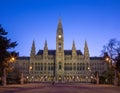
<point>60,65</point>
<point>67,66</point>
<point>45,67</point>
<point>41,66</point>
<point>36,66</point>
<point>74,66</point>
<point>49,66</point>
<point>60,46</point>
<point>64,66</point>
<point>78,66</point>
<point>52,67</point>
<point>70,66</point>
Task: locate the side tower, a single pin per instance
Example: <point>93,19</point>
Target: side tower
<point>32,59</point>
<point>59,69</point>
<point>33,50</point>
<point>74,54</point>
<point>86,53</point>
<point>87,62</point>
<point>45,59</point>
<point>45,52</point>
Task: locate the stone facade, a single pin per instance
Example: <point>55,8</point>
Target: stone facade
<point>60,65</point>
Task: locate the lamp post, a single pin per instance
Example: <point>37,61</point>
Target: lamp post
<point>54,78</point>
<point>97,77</point>
<point>4,77</point>
<point>30,68</point>
<point>90,74</point>
<point>8,60</point>
<point>109,61</point>
<point>22,79</point>
<point>115,78</point>
<point>110,65</point>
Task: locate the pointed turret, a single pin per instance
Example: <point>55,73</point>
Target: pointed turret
<point>33,50</point>
<point>45,49</point>
<point>87,58</point>
<point>73,45</point>
<point>59,37</point>
<point>86,50</point>
<point>59,28</point>
<point>73,50</point>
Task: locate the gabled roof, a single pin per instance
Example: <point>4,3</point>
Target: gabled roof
<point>23,58</point>
<point>53,52</point>
<point>97,58</point>
<point>69,52</point>
<point>50,52</point>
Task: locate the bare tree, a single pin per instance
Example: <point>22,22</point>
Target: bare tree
<point>112,51</point>
<point>112,48</point>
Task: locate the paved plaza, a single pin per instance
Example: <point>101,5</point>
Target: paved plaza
<point>59,88</point>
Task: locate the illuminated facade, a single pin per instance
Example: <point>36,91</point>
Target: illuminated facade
<point>59,65</point>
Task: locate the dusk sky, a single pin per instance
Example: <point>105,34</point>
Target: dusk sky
<point>96,21</point>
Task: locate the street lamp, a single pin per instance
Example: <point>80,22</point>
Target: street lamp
<point>89,73</point>
<point>30,68</point>
<point>88,68</point>
<point>7,61</point>
<point>109,60</point>
<point>12,59</point>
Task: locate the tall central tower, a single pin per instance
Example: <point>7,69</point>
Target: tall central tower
<point>59,63</point>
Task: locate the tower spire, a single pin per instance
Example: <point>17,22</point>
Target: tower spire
<point>45,46</point>
<point>33,49</point>
<point>86,50</point>
<point>59,28</point>
<point>45,49</point>
<point>73,46</point>
<point>73,50</point>
<point>59,37</point>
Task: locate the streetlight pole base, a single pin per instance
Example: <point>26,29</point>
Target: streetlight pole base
<point>4,77</point>
<point>22,80</point>
<point>115,81</point>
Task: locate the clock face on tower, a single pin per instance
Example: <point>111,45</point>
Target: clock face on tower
<point>59,36</point>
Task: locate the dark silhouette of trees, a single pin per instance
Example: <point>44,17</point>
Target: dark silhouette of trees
<point>113,51</point>
<point>112,48</point>
<point>5,46</point>
<point>118,62</point>
<point>112,54</point>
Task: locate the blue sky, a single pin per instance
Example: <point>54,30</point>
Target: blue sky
<point>96,21</point>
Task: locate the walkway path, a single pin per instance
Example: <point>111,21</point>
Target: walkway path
<point>59,88</point>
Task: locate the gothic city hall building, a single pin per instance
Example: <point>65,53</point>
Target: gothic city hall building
<point>60,65</point>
